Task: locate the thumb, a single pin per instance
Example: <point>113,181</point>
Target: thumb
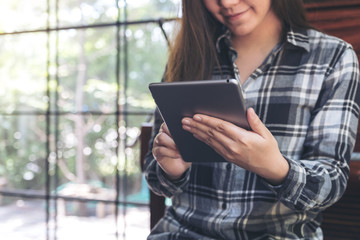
<point>256,124</point>
<point>164,128</point>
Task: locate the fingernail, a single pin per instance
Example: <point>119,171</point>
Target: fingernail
<point>252,112</point>
<point>185,121</point>
<point>197,117</point>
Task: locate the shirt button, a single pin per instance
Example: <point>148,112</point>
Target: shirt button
<point>228,166</point>
<point>224,206</point>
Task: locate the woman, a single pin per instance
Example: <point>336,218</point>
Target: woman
<point>301,89</point>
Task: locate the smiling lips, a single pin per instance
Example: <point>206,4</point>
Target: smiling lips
<point>234,17</point>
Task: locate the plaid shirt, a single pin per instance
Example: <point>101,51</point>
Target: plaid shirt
<point>307,94</point>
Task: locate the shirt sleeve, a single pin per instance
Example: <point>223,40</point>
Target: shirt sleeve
<point>319,178</point>
<point>155,176</point>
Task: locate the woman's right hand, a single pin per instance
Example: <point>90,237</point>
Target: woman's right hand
<point>167,155</point>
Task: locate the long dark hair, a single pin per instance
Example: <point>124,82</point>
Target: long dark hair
<point>193,54</point>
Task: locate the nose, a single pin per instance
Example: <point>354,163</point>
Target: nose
<point>228,3</point>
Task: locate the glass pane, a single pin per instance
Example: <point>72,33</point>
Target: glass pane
<point>134,188</point>
<point>150,9</point>
<point>23,151</point>
<point>22,218</point>
<point>134,222</point>
<point>87,156</point>
<point>23,72</point>
<point>99,221</point>
<point>87,70</point>
<point>85,220</point>
<point>22,15</point>
<point>148,48</point>
<point>84,149</point>
<point>84,12</point>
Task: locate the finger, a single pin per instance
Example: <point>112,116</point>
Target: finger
<point>218,144</point>
<point>204,123</point>
<point>223,145</point>
<point>164,128</point>
<point>213,125</point>
<point>163,139</point>
<point>256,124</point>
<point>215,136</point>
<point>160,153</point>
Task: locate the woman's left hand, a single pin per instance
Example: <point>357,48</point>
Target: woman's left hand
<point>256,150</point>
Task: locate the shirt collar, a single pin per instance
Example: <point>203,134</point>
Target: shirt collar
<point>298,38</point>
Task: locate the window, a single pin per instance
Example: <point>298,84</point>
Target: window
<point>74,77</point>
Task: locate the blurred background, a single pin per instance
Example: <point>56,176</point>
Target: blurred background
<point>74,78</point>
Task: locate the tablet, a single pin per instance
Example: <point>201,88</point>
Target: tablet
<point>217,98</point>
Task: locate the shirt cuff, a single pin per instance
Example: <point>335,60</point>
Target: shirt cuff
<point>173,186</point>
<point>290,190</point>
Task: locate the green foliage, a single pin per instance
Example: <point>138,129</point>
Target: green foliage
<point>78,73</point>
<point>149,9</point>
